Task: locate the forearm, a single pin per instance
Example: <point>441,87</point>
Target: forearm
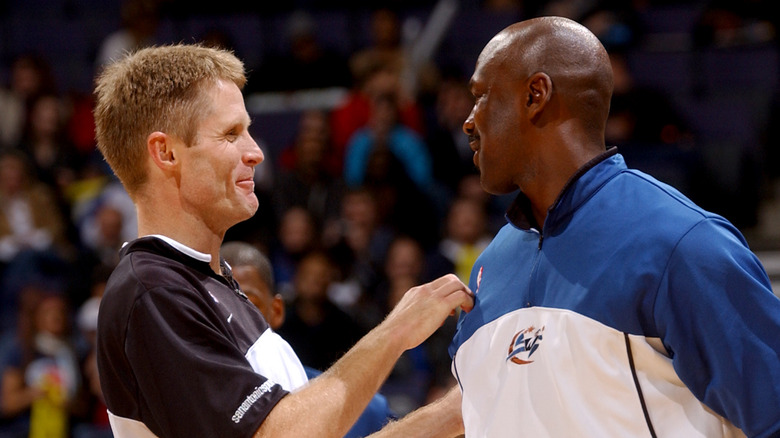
<point>331,403</point>
<point>440,419</point>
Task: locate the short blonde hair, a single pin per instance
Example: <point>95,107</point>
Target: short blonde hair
<point>155,89</point>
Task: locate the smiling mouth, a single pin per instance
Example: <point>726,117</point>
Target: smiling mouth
<point>248,183</point>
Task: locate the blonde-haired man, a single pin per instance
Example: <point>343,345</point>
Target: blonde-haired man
<point>181,351</point>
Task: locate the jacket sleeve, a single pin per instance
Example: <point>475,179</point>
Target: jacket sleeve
<point>720,321</point>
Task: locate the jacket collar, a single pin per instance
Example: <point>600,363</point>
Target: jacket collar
<point>582,184</point>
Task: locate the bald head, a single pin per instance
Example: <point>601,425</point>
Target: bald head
<point>567,52</point>
<point>254,273</point>
<point>542,89</point>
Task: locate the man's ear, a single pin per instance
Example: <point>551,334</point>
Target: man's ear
<point>276,319</point>
<point>160,148</point>
<point>539,93</point>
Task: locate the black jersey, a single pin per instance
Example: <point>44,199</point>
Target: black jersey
<point>181,350</point>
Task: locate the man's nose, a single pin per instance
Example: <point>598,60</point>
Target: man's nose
<point>254,155</point>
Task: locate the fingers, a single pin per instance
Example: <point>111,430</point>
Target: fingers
<point>462,299</point>
<point>449,280</point>
<point>423,309</point>
<point>454,292</point>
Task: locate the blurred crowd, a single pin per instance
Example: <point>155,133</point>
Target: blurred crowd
<point>368,198</point>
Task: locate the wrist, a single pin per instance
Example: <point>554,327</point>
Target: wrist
<point>392,337</point>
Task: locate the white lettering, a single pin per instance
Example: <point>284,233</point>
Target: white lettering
<point>251,399</point>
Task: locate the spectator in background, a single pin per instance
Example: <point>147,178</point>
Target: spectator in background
<point>385,46</point>
<point>80,126</point>
<point>41,377</point>
<point>55,160</point>
<point>354,112</point>
<point>615,23</point>
<point>466,236</point>
<point>313,124</point>
<point>449,148</point>
<point>385,131</point>
<point>95,216</point>
<point>30,77</point>
<point>318,330</point>
<point>305,63</point>
<point>253,271</point>
<point>255,274</point>
<point>495,206</point>
<point>103,216</point>
<point>33,245</point>
<point>641,116</point>
<point>404,262</point>
<point>298,234</point>
<point>29,214</point>
<point>390,47</point>
<point>307,178</point>
<point>94,423</point>
<point>422,374</point>
<point>392,161</point>
<point>357,243</point>
<point>140,19</point>
<point>651,133</point>
<point>406,388</point>
<point>104,237</point>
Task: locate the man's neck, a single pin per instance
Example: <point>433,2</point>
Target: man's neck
<point>190,233</point>
<point>551,178</point>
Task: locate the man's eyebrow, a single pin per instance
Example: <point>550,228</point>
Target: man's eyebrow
<point>243,123</point>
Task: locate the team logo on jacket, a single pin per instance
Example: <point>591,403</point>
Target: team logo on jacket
<point>524,344</point>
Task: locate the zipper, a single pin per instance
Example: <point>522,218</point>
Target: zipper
<point>534,270</point>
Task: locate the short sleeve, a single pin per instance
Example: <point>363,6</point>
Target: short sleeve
<point>192,379</point>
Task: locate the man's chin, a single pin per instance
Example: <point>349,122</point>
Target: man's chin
<point>252,208</point>
<point>249,209</point>
<point>495,188</point>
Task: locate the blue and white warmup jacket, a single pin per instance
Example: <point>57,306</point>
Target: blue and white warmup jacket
<point>634,313</point>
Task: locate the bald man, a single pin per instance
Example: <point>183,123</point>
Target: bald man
<point>610,304</point>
